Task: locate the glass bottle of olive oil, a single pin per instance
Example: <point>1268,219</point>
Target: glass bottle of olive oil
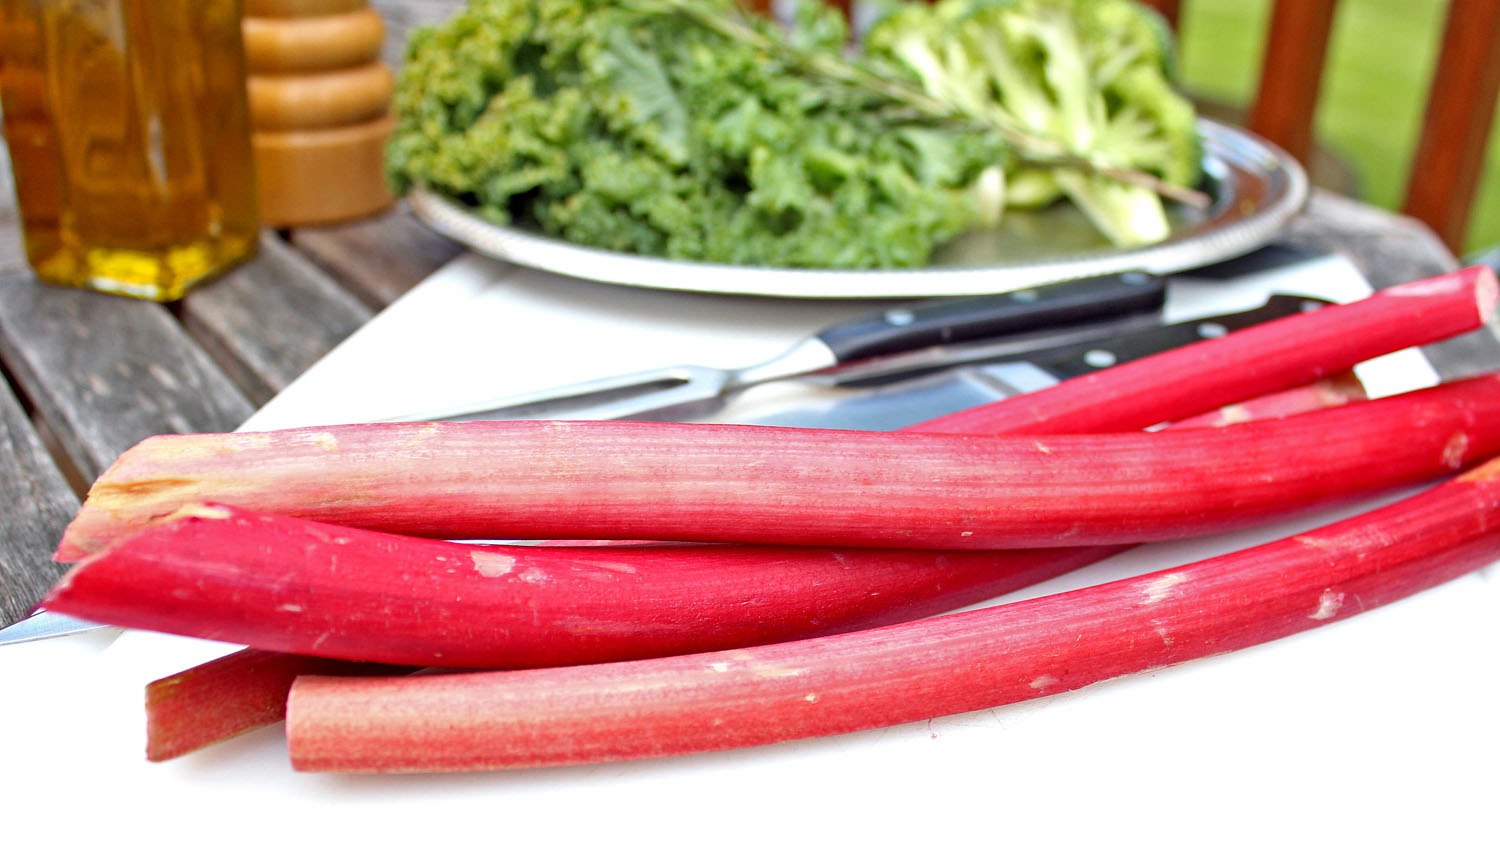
<point>129,139</point>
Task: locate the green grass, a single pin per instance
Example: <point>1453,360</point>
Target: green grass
<point>1374,87</point>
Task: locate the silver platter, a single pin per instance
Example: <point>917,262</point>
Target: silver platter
<point>1256,188</point>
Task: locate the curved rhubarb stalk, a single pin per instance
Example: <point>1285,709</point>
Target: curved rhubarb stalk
<point>1210,374</point>
<point>792,486</point>
<point>355,594</point>
<point>892,675</point>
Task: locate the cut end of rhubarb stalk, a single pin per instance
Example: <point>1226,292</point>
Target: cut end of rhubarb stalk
<point>230,696</point>
<point>1486,472</point>
<point>72,550</point>
<point>76,542</point>
<point>1487,290</point>
<point>1341,389</point>
<point>1480,277</point>
<point>136,491</point>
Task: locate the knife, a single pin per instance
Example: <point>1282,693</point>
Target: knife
<point>1082,350</point>
<point>1032,319</point>
<point>906,402</point>
<point>976,381</point>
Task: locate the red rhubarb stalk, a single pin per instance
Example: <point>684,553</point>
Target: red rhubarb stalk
<point>160,475</point>
<point>1253,361</point>
<point>791,486</point>
<point>355,594</point>
<point>892,675</point>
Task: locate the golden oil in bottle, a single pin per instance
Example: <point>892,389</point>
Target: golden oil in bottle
<point>129,139</point>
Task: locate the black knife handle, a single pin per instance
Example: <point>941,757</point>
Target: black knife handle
<point>1083,358</point>
<point>953,320</point>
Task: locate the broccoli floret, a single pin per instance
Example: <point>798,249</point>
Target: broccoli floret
<point>1089,76</point>
<point>1167,130</point>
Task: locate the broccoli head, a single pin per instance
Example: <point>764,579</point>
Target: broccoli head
<point>1089,76</point>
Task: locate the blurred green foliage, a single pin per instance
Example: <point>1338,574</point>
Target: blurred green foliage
<point>1374,91</point>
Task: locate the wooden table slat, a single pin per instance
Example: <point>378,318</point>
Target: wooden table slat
<point>105,372</point>
<point>38,503</point>
<point>270,319</point>
<point>379,258</point>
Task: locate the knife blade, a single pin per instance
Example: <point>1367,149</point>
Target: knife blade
<point>904,402</point>
<point>45,625</point>
<point>1032,319</point>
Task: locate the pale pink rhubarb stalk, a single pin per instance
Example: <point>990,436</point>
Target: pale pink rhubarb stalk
<point>790,486</point>
<point>704,607</point>
<point>158,476</point>
<point>1329,392</point>
<point>242,691</point>
<point>908,672</point>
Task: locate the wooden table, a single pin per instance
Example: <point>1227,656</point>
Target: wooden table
<point>88,375</point>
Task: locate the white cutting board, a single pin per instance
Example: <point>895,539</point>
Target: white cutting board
<point>1383,726</point>
<point>480,327</point>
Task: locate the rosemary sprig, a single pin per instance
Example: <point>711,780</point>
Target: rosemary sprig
<point>1029,146</point>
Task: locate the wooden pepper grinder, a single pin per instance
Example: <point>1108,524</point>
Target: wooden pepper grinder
<point>319,108</point>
